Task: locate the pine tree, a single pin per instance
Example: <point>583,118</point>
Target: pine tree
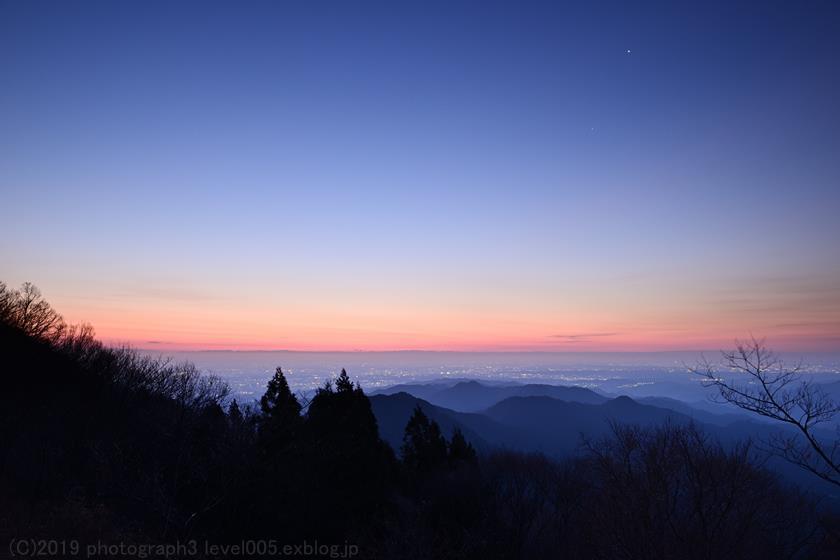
<point>345,456</point>
<point>460,450</point>
<point>343,383</point>
<point>280,412</point>
<point>278,400</point>
<point>424,447</point>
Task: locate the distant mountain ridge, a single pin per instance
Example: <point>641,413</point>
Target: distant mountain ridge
<point>524,423</point>
<point>393,411</point>
<point>473,396</point>
<point>556,427</point>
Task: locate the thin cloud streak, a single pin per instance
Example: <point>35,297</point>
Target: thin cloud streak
<point>582,335</point>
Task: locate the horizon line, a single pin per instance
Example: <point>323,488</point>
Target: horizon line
<point>425,351</point>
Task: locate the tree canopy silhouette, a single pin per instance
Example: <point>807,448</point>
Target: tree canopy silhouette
<point>27,310</point>
<point>424,447</point>
<point>460,450</point>
<point>280,420</point>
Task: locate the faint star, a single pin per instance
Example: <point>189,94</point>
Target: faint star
<point>627,51</point>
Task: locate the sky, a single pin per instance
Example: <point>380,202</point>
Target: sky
<point>443,176</point>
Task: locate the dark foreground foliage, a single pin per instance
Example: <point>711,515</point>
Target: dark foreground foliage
<point>103,444</point>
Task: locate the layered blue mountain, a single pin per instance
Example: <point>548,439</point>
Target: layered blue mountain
<point>393,411</point>
<point>524,423</point>
<point>558,427</point>
<point>472,396</point>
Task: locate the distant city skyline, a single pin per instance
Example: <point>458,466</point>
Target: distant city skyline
<point>435,176</point>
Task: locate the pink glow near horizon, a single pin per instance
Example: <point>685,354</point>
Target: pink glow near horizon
<point>227,328</point>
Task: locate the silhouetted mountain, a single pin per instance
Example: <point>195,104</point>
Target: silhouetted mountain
<point>556,427</point>
<point>419,390</point>
<point>543,424</point>
<point>393,411</point>
<point>473,396</point>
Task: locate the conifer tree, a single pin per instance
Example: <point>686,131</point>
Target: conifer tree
<point>280,411</point>
<point>424,447</point>
<point>344,455</point>
<point>460,450</point>
<point>343,383</point>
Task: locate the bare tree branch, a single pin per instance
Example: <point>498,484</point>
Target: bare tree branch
<point>756,380</point>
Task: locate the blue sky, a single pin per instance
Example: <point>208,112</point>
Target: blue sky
<point>432,175</point>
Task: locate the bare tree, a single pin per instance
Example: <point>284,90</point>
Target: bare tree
<point>756,380</point>
<point>27,310</point>
<point>674,492</point>
<point>5,303</point>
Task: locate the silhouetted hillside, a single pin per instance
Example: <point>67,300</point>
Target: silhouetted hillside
<point>556,427</point>
<point>532,424</point>
<point>393,412</point>
<point>519,423</point>
<point>473,396</point>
